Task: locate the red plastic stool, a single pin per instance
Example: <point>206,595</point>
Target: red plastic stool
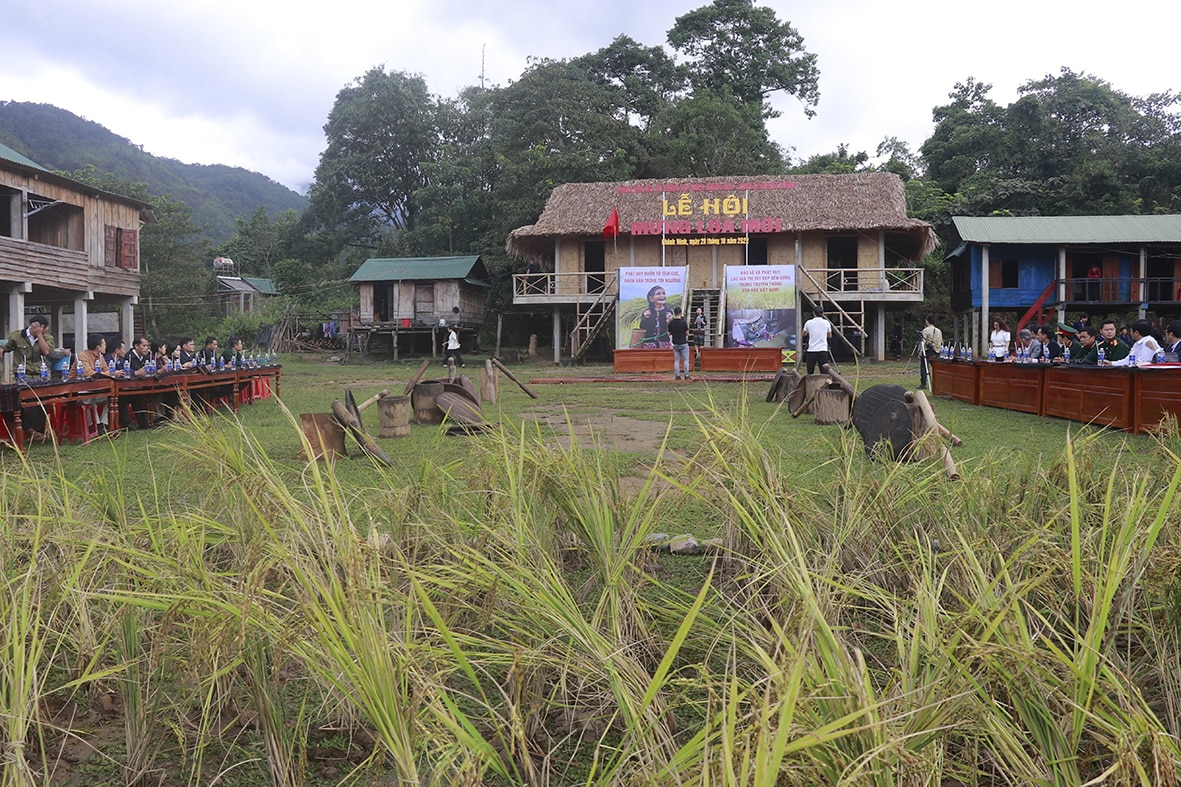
<point>80,423</point>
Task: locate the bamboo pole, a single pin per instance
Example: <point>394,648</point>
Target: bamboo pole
<point>841,381</point>
<point>372,400</point>
<point>417,376</point>
<point>513,377</point>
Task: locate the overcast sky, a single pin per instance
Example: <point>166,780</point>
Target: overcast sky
<point>250,83</point>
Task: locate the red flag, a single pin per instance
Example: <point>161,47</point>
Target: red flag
<point>611,228</point>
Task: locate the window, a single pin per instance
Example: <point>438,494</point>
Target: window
<point>1003,274</point>
<point>120,247</point>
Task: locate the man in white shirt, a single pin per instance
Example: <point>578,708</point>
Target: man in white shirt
<point>1145,348</point>
<point>817,331</point>
<point>932,341</point>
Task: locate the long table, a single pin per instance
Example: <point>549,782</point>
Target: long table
<point>1134,399</point>
<point>13,397</point>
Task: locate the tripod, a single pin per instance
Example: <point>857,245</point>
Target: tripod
<point>920,353</point>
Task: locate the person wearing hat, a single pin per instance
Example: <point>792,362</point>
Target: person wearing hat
<point>1068,340</point>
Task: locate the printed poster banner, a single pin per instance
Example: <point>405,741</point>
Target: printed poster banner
<point>646,300</point>
<point>760,307</point>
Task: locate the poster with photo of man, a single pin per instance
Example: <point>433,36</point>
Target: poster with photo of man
<point>760,307</point>
<point>646,300</point>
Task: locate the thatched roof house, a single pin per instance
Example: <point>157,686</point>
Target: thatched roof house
<point>848,237</point>
<point>861,202</point>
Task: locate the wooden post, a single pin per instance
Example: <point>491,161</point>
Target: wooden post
<point>499,328</point>
<point>532,345</point>
<point>488,383</point>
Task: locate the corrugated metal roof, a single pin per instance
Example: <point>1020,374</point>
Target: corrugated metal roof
<point>264,286</point>
<point>417,268</point>
<point>11,155</point>
<point>234,284</point>
<point>1069,229</point>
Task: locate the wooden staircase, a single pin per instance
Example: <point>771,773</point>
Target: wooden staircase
<point>591,319</point>
<point>846,318</point>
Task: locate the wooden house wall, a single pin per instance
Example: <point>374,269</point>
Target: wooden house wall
<point>68,252</point>
<point>365,290</point>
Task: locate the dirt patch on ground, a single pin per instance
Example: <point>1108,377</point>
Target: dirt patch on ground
<point>602,430</point>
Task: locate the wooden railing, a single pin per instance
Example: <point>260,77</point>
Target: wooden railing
<point>866,281</point>
<point>547,286</point>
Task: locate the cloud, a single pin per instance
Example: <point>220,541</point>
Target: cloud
<point>250,83</point>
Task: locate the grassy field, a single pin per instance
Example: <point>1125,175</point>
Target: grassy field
<point>196,605</point>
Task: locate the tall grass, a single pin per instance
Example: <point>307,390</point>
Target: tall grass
<point>504,619</point>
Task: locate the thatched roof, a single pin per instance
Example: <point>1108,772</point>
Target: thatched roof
<point>867,201</point>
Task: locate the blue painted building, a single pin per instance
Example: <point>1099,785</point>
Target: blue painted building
<point>1063,265</point>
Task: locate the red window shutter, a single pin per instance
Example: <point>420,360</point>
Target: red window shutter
<point>111,246</point>
<point>995,274</point>
<point>130,248</point>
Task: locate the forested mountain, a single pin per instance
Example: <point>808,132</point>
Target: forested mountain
<point>58,139</point>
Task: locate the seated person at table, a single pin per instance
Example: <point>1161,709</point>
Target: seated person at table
<point>1088,354</point>
<point>32,347</point>
<point>1113,348</point>
<point>93,362</point>
<point>1031,346</point>
<point>232,355</point>
<point>161,351</point>
<point>1144,346</point>
<point>1050,348</point>
<point>208,355</point>
<point>186,353</point>
<point>143,366</point>
<point>1173,341</point>
<point>116,352</point>
<point>1068,340</point>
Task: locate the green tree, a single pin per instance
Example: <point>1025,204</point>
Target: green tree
<point>648,79</point>
<point>258,242</point>
<point>1070,144</point>
<point>176,285</point>
<point>707,134</point>
<point>839,162</point>
<point>381,131</point>
<point>738,46</point>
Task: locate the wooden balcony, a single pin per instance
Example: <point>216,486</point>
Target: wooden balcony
<point>44,266</point>
<point>867,284</point>
<point>902,285</point>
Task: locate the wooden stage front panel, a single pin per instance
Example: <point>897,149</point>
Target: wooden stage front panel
<point>956,380</point>
<point>1156,394</point>
<point>1090,394</point>
<point>1012,386</point>
<point>741,359</point>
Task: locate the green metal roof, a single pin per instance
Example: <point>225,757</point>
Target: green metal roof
<point>419,268</point>
<point>11,155</point>
<point>1069,229</point>
<point>264,286</point>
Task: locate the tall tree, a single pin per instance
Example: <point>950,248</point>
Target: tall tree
<point>648,79</point>
<point>381,131</point>
<point>707,134</point>
<point>1070,144</point>
<point>738,46</point>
